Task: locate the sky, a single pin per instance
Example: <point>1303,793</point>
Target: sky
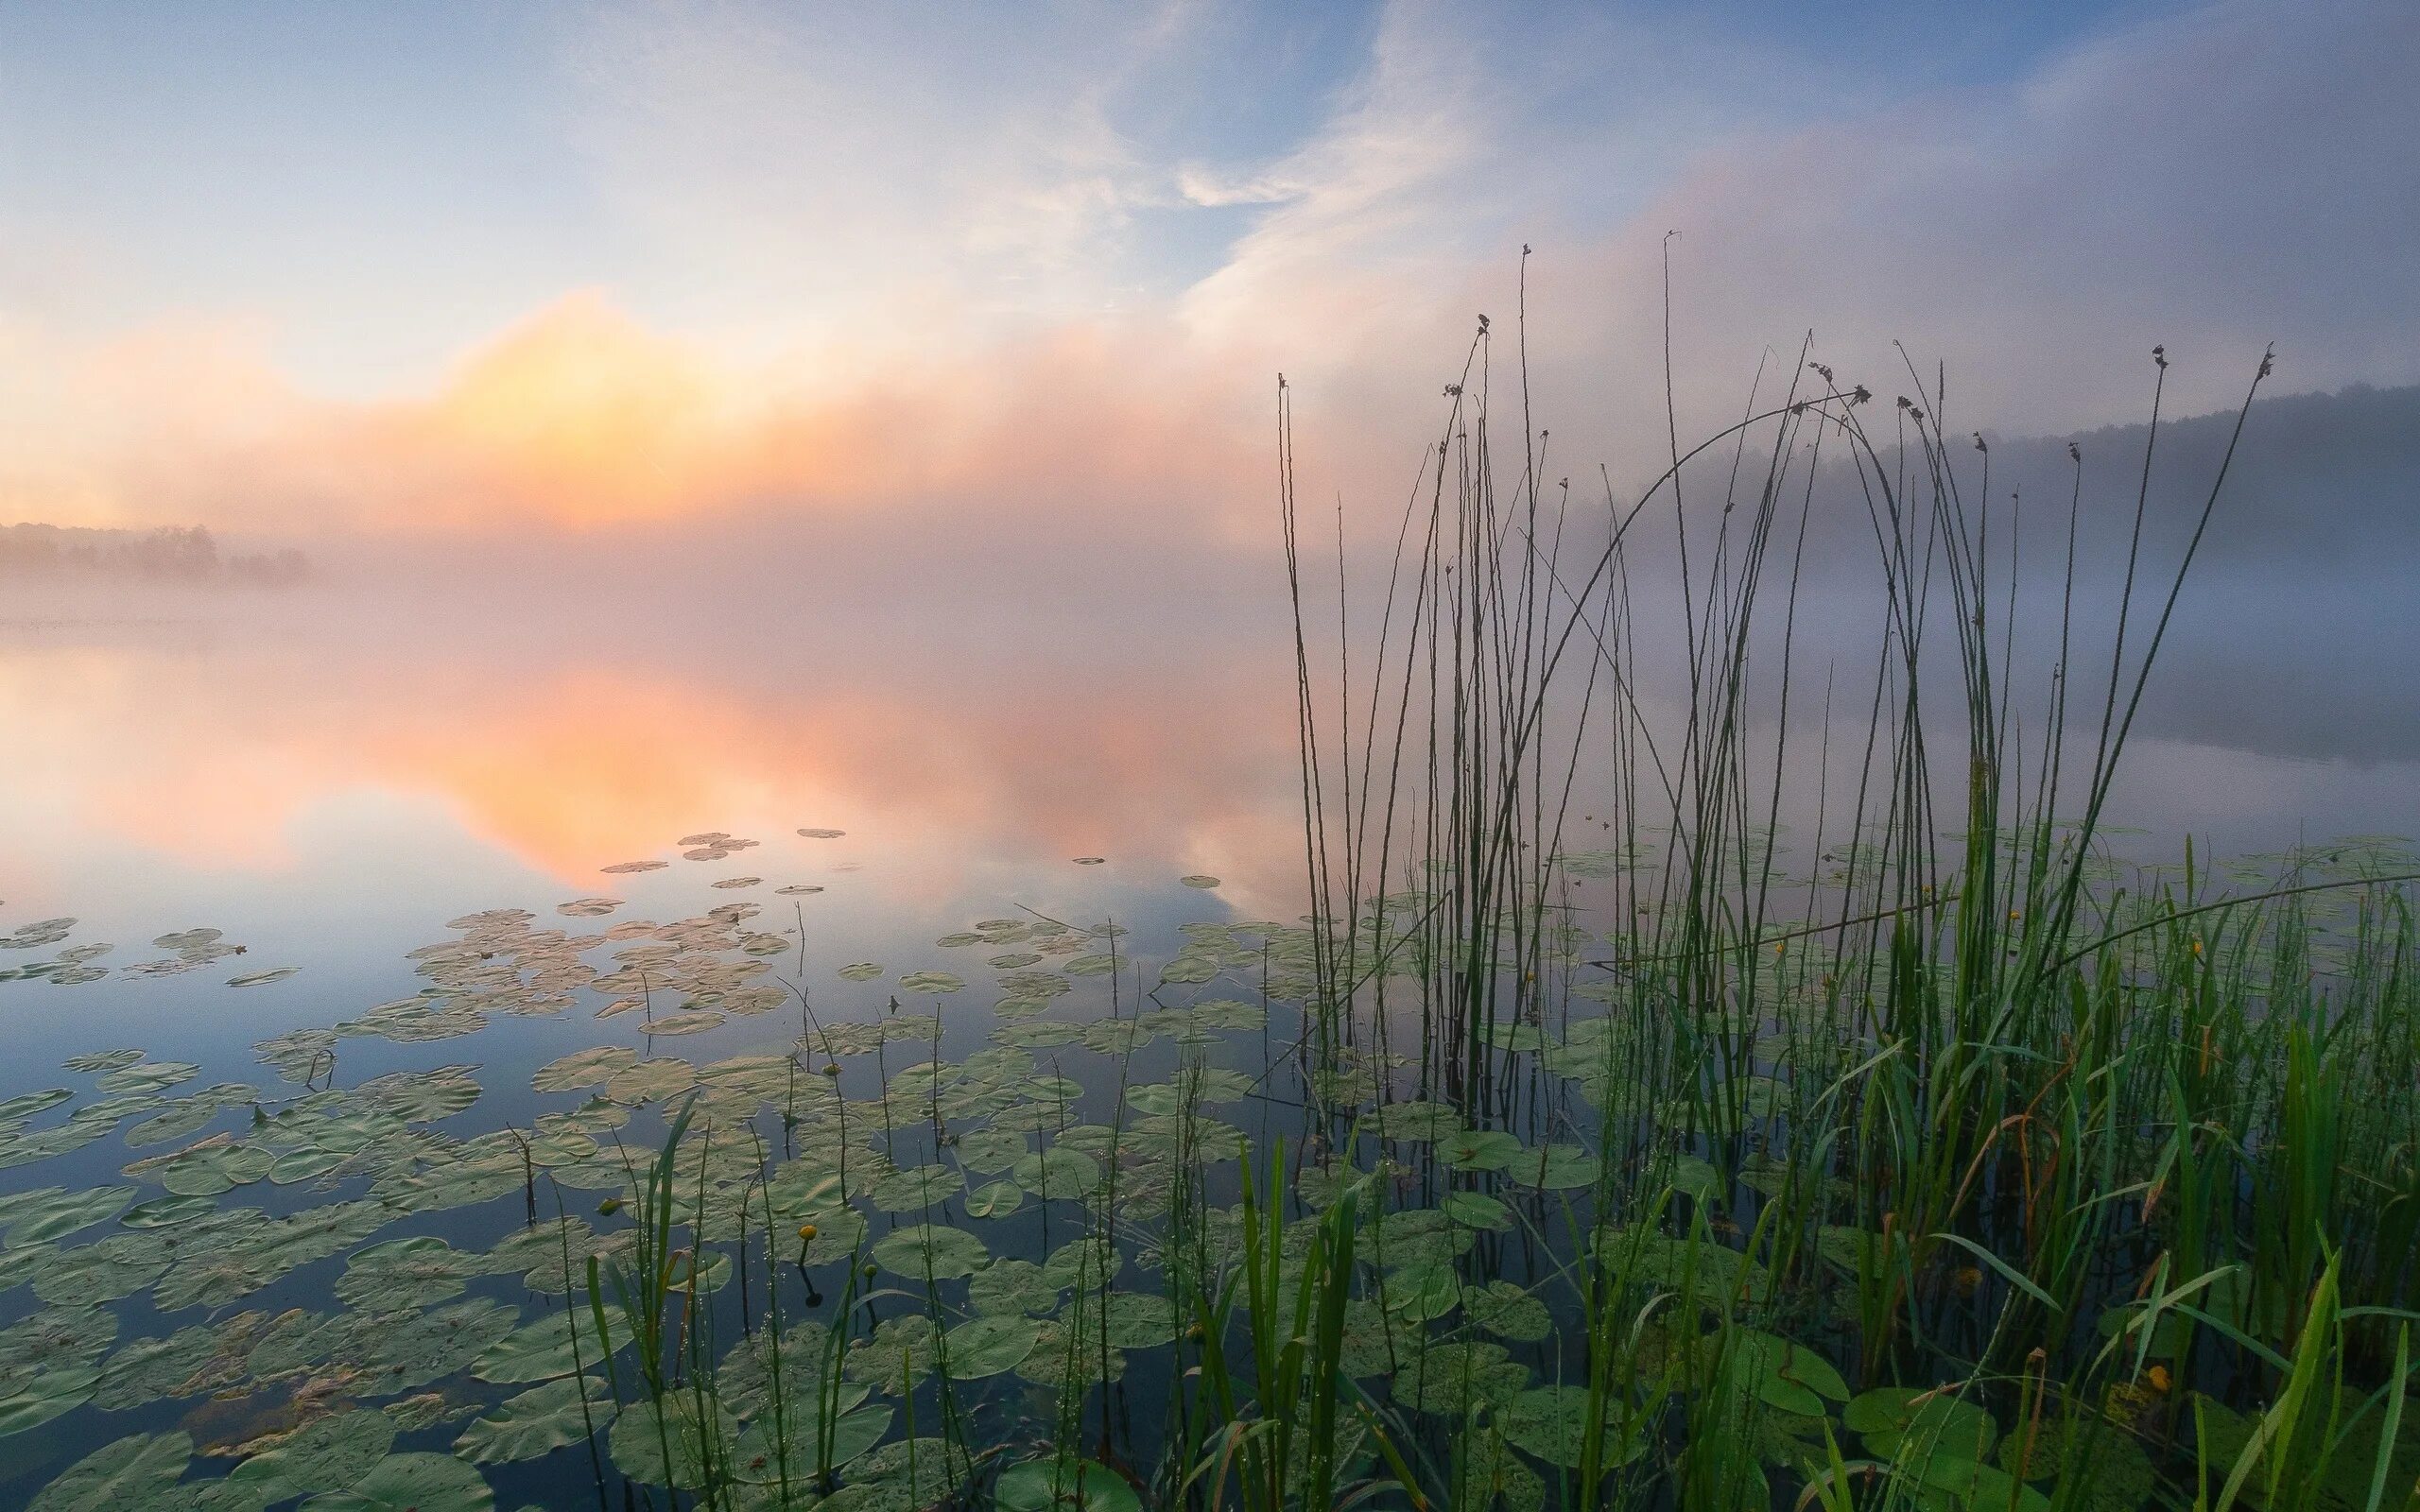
<point>420,271</point>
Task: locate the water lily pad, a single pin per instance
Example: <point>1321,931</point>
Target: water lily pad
<point>411,1483</point>
<point>1477,1209</point>
<point>540,1350</point>
<point>1012,1286</point>
<point>1056,1172</point>
<point>325,1454</point>
<point>275,973</point>
<point>125,1475</point>
<point>1447,1377</point>
<point>1695,1176</point>
<point>1552,1423</point>
<point>989,1345</point>
<point>1557,1168</point>
<point>901,1352</point>
<point>923,1249</point>
<point>34,1217</point>
<point>662,1440</point>
<point>931,982</point>
<point>760,1464</point>
<point>26,1104</point>
<point>860,971</point>
<point>1966,1483</point>
<point>746,1379</point>
<point>1199,880</point>
<point>203,1357</point>
<point>1508,1311</point>
<point>538,1421</point>
<point>917,1188</point>
<point>422,1097</point>
<point>823,834</point>
<point>412,1349</point>
<point>148,1077</point>
<point>43,1394</point>
<point>655,1080</point>
<point>1785,1374</point>
<point>1417,1121</point>
<point>992,1149</point>
<point>417,1271</point>
<point>107,1270</point>
<point>904,1476</point>
<point>1087,1264</point>
<point>98,1061</point>
<point>53,1338</point>
<point>1478,1150</point>
<point>672,1025</point>
<point>1923,1421</point>
<point>1063,1484</point>
<point>994,1199</point>
<point>1136,1320</point>
<point>1422,1290</point>
<point>2116,1473</point>
<point>182,1118</point>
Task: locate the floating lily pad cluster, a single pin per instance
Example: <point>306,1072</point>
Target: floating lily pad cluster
<point>190,950</point>
<point>713,845</point>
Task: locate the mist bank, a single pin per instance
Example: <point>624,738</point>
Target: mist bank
<point>2287,638</point>
<point>763,604</point>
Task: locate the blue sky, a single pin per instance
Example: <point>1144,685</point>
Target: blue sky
<point>467,161</point>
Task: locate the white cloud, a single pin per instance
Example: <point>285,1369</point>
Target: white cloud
<point>2210,180</point>
<point>862,166</point>
<point>1203,186</point>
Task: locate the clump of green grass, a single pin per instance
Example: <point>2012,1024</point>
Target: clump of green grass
<point>1965,1123</point>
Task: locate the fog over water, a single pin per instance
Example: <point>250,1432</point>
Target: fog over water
<point>411,730</point>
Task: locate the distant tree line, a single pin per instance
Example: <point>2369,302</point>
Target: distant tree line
<point>170,554</point>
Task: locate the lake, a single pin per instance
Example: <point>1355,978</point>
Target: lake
<point>364,955</point>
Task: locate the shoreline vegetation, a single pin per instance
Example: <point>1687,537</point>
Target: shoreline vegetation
<point>179,556</point>
<point>1941,1159</point>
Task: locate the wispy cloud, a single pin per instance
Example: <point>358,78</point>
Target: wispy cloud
<point>1213,190</point>
<point>1030,261</point>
